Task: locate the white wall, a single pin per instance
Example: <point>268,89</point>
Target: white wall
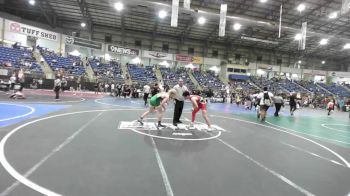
<point>1,27</point>
<point>52,45</point>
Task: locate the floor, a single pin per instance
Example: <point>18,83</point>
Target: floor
<point>80,147</point>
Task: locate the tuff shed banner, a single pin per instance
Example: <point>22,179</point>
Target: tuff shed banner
<point>122,50</point>
<point>16,27</point>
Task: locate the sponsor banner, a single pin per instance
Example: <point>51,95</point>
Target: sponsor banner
<point>174,13</point>
<point>83,42</point>
<point>264,66</point>
<point>16,27</point>
<point>339,74</point>
<point>222,25</point>
<point>122,50</point>
<point>197,60</point>
<point>190,59</point>
<point>314,72</point>
<point>183,58</point>
<point>157,55</point>
<point>187,4</point>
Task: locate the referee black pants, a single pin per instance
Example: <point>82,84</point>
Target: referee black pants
<point>179,105</point>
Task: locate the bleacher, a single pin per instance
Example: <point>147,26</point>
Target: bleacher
<point>110,71</point>
<point>313,88</point>
<point>16,58</point>
<point>208,80</point>
<point>246,86</point>
<point>336,89</point>
<point>142,75</point>
<point>272,85</point>
<point>171,77</point>
<point>291,86</point>
<point>71,64</point>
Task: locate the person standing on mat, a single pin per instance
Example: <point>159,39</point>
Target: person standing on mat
<point>265,103</point>
<point>155,89</point>
<point>57,87</point>
<point>158,103</point>
<point>179,101</point>
<point>198,103</point>
<point>278,100</point>
<point>292,103</point>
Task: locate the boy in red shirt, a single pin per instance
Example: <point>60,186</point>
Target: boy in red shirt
<point>198,103</point>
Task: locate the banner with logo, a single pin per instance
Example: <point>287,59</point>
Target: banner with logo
<point>157,55</point>
<point>190,59</point>
<point>339,74</point>
<point>122,50</point>
<point>16,27</point>
<point>83,42</point>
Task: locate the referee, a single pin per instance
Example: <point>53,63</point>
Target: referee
<point>179,101</point>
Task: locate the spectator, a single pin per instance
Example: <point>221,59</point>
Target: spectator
<point>278,100</point>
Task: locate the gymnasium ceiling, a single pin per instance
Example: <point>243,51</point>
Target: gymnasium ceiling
<point>259,20</point>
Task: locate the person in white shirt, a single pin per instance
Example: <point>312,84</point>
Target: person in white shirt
<point>146,91</point>
<point>13,81</point>
<point>179,101</point>
<point>265,102</point>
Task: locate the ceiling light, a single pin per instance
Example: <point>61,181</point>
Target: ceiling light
<point>301,7</point>
<point>201,20</point>
<point>263,1</point>
<point>298,37</point>
<point>299,62</point>
<point>323,62</point>
<point>32,2</point>
<point>83,24</point>
<point>347,46</point>
<point>162,14</point>
<point>324,42</point>
<point>237,26</point>
<point>333,15</point>
<point>119,6</point>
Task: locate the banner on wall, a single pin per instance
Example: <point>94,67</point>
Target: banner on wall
<point>314,72</point>
<point>83,42</point>
<point>340,74</point>
<point>122,50</point>
<point>190,59</point>
<point>157,55</point>
<point>16,27</point>
<point>264,66</point>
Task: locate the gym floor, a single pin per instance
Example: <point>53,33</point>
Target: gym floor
<point>78,147</point>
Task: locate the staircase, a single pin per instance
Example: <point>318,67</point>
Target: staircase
<point>159,75</point>
<point>324,89</point>
<point>195,82</point>
<point>126,72</point>
<point>253,84</point>
<point>44,65</point>
<point>88,69</point>
<point>306,90</point>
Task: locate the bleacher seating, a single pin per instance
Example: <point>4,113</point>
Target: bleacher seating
<point>313,88</point>
<point>273,85</point>
<point>71,64</point>
<point>208,80</point>
<point>19,58</point>
<point>171,77</point>
<point>142,75</point>
<point>291,86</point>
<point>336,89</point>
<point>112,70</point>
<point>246,86</point>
